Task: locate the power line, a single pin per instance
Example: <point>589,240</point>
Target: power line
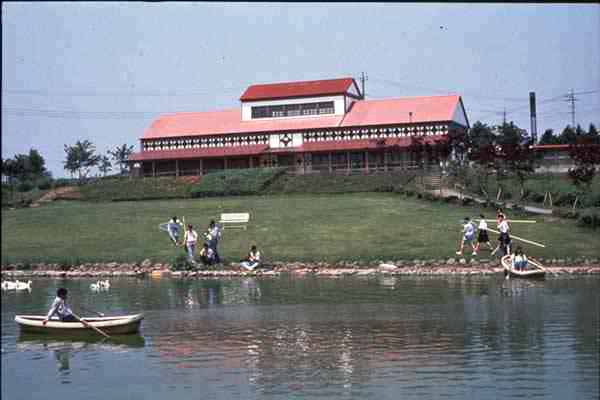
<point>572,99</point>
<point>113,93</point>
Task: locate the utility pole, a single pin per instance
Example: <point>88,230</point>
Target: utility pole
<point>363,79</point>
<point>571,98</point>
<point>533,116</point>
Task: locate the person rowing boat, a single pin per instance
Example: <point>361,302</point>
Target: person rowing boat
<point>60,308</point>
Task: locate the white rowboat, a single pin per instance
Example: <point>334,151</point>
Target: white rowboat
<point>112,325</point>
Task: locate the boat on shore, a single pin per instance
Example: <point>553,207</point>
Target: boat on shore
<point>537,272</point>
<point>118,325</point>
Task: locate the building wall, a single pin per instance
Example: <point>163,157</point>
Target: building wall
<point>338,104</point>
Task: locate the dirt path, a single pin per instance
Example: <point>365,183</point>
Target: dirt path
<point>63,193</point>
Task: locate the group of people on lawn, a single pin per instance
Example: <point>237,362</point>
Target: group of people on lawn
<point>209,254</point>
<point>518,259</point>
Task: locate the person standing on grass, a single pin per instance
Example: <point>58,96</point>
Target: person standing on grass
<point>468,236</point>
<point>213,235</point>
<point>504,238</point>
<point>190,238</point>
<point>483,234</point>
<point>173,229</point>
<point>60,308</point>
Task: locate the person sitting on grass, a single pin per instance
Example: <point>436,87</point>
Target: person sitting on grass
<point>252,261</point>
<point>60,308</point>
<point>519,260</point>
<point>468,236</point>
<point>207,255</point>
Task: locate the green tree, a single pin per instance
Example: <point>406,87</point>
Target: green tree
<point>104,165</point>
<point>37,164</point>
<point>593,135</point>
<point>518,158</point>
<point>80,158</point>
<point>549,138</point>
<point>482,153</point>
<point>120,154</point>
<point>586,156</point>
<point>568,136</point>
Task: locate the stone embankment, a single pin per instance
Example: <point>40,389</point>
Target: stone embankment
<point>448,267</point>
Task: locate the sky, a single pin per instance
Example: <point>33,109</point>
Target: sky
<point>104,71</point>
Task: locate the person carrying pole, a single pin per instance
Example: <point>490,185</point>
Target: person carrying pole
<point>483,234</point>
<point>504,238</point>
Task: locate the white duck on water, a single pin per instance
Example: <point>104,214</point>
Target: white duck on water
<point>100,285</point>
<point>23,285</point>
<point>8,285</point>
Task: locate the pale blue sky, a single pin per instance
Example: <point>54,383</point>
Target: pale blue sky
<point>104,71</point>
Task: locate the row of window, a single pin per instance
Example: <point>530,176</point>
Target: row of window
<point>293,110</point>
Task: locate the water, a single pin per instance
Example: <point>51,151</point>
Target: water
<point>285,338</point>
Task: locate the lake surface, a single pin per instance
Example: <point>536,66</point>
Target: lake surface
<point>308,338</point>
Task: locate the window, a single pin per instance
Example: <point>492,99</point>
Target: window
<point>293,110</point>
<point>277,111</point>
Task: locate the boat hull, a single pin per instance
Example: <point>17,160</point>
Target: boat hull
<point>110,325</point>
<point>538,273</point>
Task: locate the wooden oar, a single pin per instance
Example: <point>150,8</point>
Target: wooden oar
<point>536,263</point>
<point>90,326</point>
<point>521,239</point>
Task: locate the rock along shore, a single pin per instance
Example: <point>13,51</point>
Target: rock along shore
<point>446,267</point>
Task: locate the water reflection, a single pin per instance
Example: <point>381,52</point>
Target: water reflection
<point>332,338</point>
<point>65,348</point>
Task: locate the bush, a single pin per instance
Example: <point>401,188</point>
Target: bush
<point>62,182</point>
<point>589,219</point>
<point>565,199</point>
<point>451,199</point>
<point>44,183</point>
<point>235,182</point>
<point>536,197</point>
<point>570,214</point>
<point>181,263</point>
<point>25,186</point>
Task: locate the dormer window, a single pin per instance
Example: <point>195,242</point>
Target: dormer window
<point>293,110</point>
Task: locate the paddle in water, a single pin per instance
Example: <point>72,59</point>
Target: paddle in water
<point>91,326</point>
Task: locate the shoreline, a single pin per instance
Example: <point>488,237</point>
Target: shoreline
<point>449,267</point>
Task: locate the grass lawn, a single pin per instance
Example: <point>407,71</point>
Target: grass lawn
<point>360,226</point>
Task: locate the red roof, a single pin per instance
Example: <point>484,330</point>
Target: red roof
<point>326,87</point>
<point>362,113</point>
<point>198,153</point>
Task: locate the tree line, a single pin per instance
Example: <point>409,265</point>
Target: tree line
<point>571,135</point>
<point>27,171</point>
<point>506,151</point>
